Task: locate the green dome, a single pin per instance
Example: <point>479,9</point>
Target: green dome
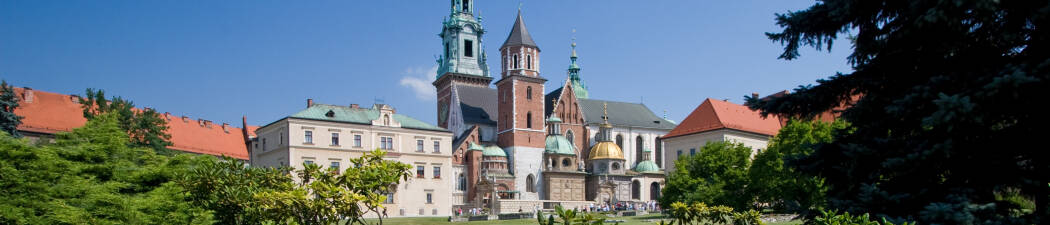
<point>493,150</point>
<point>554,119</point>
<point>557,144</point>
<point>646,166</point>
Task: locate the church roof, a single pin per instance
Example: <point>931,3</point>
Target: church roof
<point>647,166</point>
<point>717,114</point>
<point>478,104</point>
<point>623,114</point>
<point>348,114</point>
<point>519,35</point>
<point>557,144</point>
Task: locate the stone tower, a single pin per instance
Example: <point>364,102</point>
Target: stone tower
<point>520,95</point>
<point>462,60</point>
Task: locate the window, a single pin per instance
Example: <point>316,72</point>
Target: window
<point>419,145</point>
<point>616,166</point>
<point>335,138</point>
<point>308,162</point>
<point>280,140</point>
<point>692,151</point>
<point>528,92</point>
<point>386,120</point>
<point>448,54</point>
<point>515,62</point>
<point>264,144</point>
<point>334,167</point>
<point>466,5</point>
<point>639,144</point>
<point>309,137</point>
<point>530,183</point>
<point>461,183</point>
<point>437,172</point>
<point>468,46</point>
<point>437,146</point>
<point>679,153</point>
<point>569,135</point>
<point>659,152</point>
<point>420,172</point>
<point>528,120</point>
<point>528,61</point>
<point>430,199</point>
<point>357,140</point>
<point>566,162</point>
<point>390,199</point>
<point>386,143</point>
<point>619,141</point>
<point>636,190</point>
<point>434,211</point>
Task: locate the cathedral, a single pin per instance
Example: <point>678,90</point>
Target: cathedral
<point>517,146</point>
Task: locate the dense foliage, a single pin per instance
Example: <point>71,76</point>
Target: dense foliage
<point>9,121</point>
<point>145,127</point>
<point>833,218</point>
<point>91,176</point>
<point>702,214</point>
<point>944,123</point>
<point>243,195</point>
<point>716,175</point>
<point>569,217</point>
<point>775,182</point>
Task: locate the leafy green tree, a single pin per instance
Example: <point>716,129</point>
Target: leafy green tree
<point>328,197</point>
<point>776,182</point>
<point>9,121</point>
<point>228,188</point>
<point>145,127</point>
<point>945,118</point>
<point>716,175</point>
<point>91,176</point>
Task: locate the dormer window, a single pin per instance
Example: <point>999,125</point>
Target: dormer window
<point>468,48</point>
<point>329,114</point>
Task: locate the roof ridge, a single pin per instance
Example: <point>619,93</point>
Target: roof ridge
<point>715,111</point>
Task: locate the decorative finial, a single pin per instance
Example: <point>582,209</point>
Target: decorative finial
<point>519,5</point>
<point>605,112</point>
<point>554,102</point>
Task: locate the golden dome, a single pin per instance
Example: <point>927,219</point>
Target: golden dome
<point>606,150</point>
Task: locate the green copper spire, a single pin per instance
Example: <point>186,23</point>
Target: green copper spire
<point>574,72</point>
<point>461,38</point>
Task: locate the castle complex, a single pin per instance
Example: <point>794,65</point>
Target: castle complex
<point>517,146</point>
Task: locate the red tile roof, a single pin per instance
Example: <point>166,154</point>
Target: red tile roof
<point>49,113</point>
<point>716,114</point>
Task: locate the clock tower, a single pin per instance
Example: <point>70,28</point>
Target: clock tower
<point>462,60</point>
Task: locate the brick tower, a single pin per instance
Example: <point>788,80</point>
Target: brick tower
<point>520,123</point>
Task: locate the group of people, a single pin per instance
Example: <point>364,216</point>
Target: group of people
<point>471,211</point>
<point>643,206</point>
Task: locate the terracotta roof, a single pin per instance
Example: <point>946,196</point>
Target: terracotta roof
<point>49,113</point>
<point>716,114</point>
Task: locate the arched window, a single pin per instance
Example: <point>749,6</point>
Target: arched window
<point>636,190</point>
<point>571,137</point>
<point>528,61</point>
<point>515,62</point>
<point>466,5</point>
<point>528,92</point>
<point>566,162</point>
<point>386,120</point>
<point>461,183</point>
<point>528,120</point>
<point>659,152</point>
<point>530,183</point>
<point>619,140</point>
<point>639,144</point>
<point>654,191</point>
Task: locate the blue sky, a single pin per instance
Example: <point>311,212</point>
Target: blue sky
<point>219,60</point>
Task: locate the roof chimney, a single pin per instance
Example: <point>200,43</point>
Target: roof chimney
<point>309,102</point>
<point>27,95</point>
<point>754,95</point>
<point>225,127</point>
<point>185,119</point>
<point>74,99</point>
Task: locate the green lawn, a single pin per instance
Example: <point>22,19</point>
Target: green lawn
<point>633,220</point>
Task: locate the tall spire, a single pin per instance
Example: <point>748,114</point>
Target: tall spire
<point>574,72</point>
<point>519,35</point>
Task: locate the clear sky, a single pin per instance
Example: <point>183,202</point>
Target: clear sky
<point>219,60</point>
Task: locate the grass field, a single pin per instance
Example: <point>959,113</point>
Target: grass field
<point>633,220</point>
